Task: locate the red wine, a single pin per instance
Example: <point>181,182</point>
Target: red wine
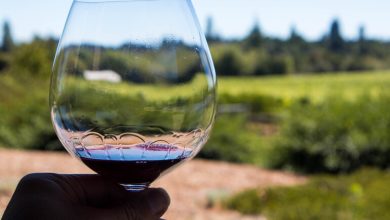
<point>140,164</point>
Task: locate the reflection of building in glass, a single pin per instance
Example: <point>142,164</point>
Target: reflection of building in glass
<point>102,75</point>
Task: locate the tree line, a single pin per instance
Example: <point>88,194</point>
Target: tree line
<point>258,54</point>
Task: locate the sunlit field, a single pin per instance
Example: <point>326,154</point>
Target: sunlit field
<point>315,87</point>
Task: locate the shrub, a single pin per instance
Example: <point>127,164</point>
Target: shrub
<point>3,62</point>
<point>33,60</point>
<point>247,202</point>
<point>335,136</point>
<point>229,64</point>
<point>232,141</point>
<point>275,65</point>
<point>363,195</point>
<point>25,121</point>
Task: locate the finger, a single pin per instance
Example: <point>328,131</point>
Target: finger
<point>92,190</point>
<point>149,204</point>
<point>154,202</point>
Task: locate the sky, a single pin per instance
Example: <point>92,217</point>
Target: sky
<point>232,18</point>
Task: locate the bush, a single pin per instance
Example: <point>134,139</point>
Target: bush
<point>363,195</point>
<point>249,202</point>
<point>335,136</point>
<point>275,66</point>
<point>25,121</point>
<point>254,102</point>
<point>33,60</point>
<point>229,64</point>
<point>232,141</point>
<point>4,63</point>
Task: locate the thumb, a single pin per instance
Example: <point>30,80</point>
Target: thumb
<point>149,204</point>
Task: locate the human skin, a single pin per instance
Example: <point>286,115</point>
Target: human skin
<point>54,196</point>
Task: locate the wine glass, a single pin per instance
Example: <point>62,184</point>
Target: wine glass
<point>133,90</point>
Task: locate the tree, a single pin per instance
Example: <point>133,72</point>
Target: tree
<point>294,36</point>
<point>209,29</point>
<point>362,33</point>
<point>254,38</point>
<point>8,42</point>
<point>211,35</point>
<point>229,64</point>
<point>336,41</point>
<point>362,42</point>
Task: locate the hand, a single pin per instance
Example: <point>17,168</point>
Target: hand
<point>54,196</point>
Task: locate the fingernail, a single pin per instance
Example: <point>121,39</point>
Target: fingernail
<point>159,201</point>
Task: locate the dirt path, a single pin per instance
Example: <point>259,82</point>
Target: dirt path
<point>190,186</point>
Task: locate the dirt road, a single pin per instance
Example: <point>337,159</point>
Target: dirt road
<point>191,186</point>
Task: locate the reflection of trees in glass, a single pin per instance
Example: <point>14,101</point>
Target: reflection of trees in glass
<point>149,105</point>
<point>136,62</point>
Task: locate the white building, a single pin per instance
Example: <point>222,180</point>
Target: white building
<point>102,75</point>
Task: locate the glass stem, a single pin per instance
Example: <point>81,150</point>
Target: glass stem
<point>135,187</point>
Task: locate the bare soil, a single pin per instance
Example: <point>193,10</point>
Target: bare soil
<point>192,187</point>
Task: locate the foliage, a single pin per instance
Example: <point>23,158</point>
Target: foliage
<point>255,38</point>
<point>249,202</point>
<point>233,141</point>
<point>33,60</point>
<point>7,41</point>
<point>25,121</point>
<point>336,42</point>
<point>210,33</point>
<point>142,65</point>
<point>4,62</point>
<point>335,136</point>
<point>297,55</point>
<point>228,64</point>
<point>362,195</point>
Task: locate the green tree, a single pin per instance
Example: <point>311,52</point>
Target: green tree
<point>362,33</point>
<point>254,38</point>
<point>336,41</point>
<point>8,42</point>
<point>229,64</point>
<point>295,38</point>
<point>362,40</point>
<point>33,59</point>
<point>210,32</point>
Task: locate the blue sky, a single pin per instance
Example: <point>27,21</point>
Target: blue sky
<point>232,18</point>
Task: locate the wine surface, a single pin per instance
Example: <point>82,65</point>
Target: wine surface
<point>137,164</point>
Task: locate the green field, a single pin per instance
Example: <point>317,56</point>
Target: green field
<point>316,87</point>
<point>288,88</point>
<point>304,116</point>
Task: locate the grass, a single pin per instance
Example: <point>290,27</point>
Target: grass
<point>362,195</point>
<point>315,87</point>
